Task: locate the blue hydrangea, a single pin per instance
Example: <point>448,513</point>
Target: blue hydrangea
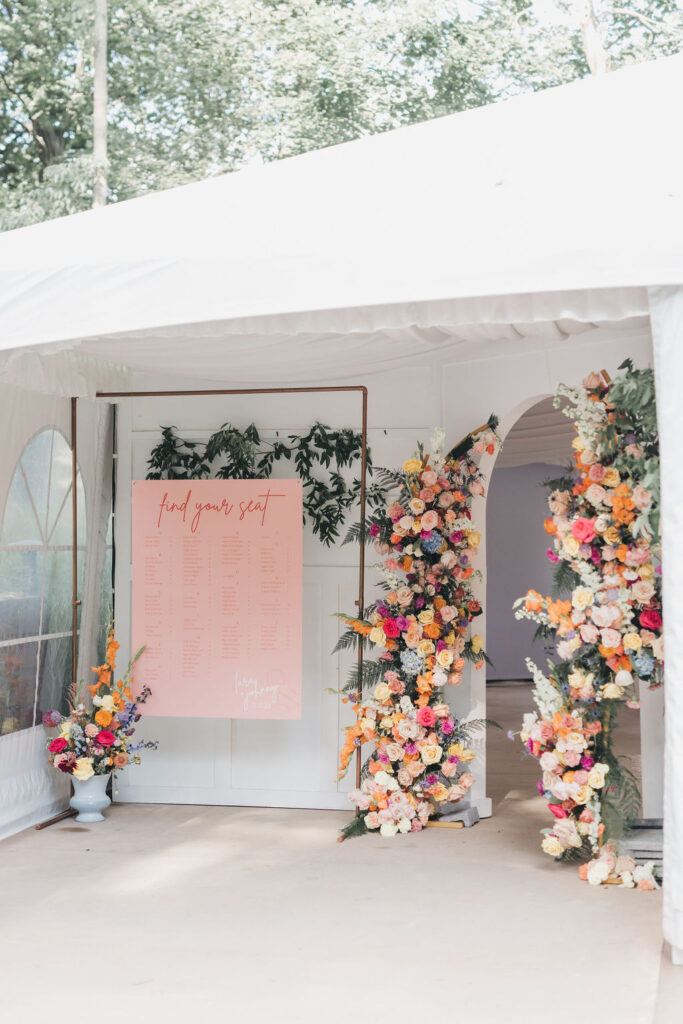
<point>431,544</point>
<point>411,662</point>
<point>643,662</point>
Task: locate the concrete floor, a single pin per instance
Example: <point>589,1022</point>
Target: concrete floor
<point>167,913</point>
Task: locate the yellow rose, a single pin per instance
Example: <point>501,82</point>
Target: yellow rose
<point>596,776</point>
<point>439,792</point>
<point>473,538</point>
<point>426,616</point>
<point>65,731</point>
<point>457,750</point>
<point>425,647</point>
<point>444,658</point>
<point>582,597</point>
<point>367,724</point>
<point>376,636</point>
<point>632,642</point>
<point>578,445</point>
<point>412,466</point>
<point>611,478</point>
<point>613,691</point>
<point>84,769</point>
<point>382,693</point>
<point>431,753</point>
<point>571,545</point>
<point>477,643</point>
<point>387,723</point>
<point>611,535</point>
<point>584,795</point>
<point>552,846</point>
<point>646,571</point>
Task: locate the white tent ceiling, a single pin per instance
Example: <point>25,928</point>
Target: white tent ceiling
<point>540,216</point>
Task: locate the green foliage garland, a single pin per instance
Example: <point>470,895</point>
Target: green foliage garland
<point>233,454</point>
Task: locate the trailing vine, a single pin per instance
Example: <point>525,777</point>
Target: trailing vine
<point>319,458</point>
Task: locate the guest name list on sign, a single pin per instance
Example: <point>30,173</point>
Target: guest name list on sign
<point>217,596</point>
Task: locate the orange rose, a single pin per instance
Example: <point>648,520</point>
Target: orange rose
<point>550,526</point>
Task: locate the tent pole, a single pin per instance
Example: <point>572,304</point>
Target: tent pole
<point>74,541</point>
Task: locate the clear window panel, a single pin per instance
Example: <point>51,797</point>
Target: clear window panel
<point>18,664</point>
<point>20,525</point>
<point>54,675</point>
<point>58,591</point>
<point>35,465</point>
<point>20,592</point>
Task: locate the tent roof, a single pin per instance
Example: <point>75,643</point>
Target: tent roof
<point>556,208</point>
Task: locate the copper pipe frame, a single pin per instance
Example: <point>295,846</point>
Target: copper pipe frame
<point>363,478</point>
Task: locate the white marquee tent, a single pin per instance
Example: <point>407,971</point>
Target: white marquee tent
<point>494,250</point>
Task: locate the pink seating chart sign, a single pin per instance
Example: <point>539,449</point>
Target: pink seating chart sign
<point>217,596</point>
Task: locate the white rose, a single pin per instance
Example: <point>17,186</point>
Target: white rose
<point>387,828</point>
<point>598,872</point>
<point>404,825</point>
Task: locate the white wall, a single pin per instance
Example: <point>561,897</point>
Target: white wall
<point>261,762</point>
<point>294,764</point>
<point>516,544</point>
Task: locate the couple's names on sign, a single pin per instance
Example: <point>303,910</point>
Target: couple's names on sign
<point>217,596</point>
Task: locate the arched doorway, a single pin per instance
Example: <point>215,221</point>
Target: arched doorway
<point>537,448</point>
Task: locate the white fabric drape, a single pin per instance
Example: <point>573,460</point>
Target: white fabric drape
<point>31,790</point>
<point>95,444</point>
<point>666,311</point>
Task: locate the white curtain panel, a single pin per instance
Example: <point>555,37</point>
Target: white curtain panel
<point>666,311</point>
<point>30,789</point>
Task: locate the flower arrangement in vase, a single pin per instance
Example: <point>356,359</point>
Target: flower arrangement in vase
<point>94,741</point>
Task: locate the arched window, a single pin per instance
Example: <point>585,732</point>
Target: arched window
<point>36,582</point>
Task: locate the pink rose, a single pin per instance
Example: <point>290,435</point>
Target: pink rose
<point>596,473</point>
<point>589,633</point>
<point>430,521</point>
<point>447,613</point>
<point>605,615</point>
<point>643,591</point>
<point>595,494</point>
<point>546,732</point>
<point>558,810</point>
<point>446,499</point>
<point>641,497</point>
<point>583,529</point>
<point>610,637</point>
<point>91,729</point>
<point>396,686</point>
<point>426,717</point>
<point>58,745</point>
<point>571,758</point>
<point>427,495</point>
<point>637,556</point>
<point>586,816</point>
<point>429,478</point>
<point>467,780</point>
<point>105,737</point>
<point>372,820</point>
<point>477,488</point>
<point>449,768</point>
